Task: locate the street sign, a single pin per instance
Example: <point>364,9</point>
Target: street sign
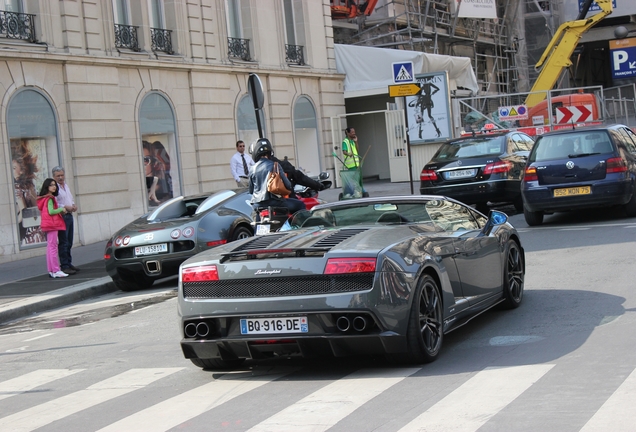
<point>403,72</point>
<point>573,114</point>
<point>623,56</point>
<point>516,112</point>
<point>404,90</point>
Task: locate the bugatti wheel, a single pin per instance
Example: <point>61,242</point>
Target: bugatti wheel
<point>513,276</point>
<point>241,233</point>
<point>425,333</point>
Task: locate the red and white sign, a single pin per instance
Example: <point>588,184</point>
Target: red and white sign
<point>573,114</point>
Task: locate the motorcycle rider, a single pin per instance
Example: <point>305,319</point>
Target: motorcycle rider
<point>294,175</point>
<point>262,153</point>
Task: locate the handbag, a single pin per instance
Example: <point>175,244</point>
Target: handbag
<point>275,184</point>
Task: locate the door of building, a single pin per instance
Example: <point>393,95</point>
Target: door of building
<point>392,143</point>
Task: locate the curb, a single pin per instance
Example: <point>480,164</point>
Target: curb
<point>58,298</point>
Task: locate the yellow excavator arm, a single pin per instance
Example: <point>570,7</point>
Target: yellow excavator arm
<point>557,54</point>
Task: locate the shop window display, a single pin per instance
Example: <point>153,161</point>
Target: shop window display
<point>159,149</point>
<point>33,142</point>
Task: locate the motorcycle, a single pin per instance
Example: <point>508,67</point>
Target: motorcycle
<point>272,219</point>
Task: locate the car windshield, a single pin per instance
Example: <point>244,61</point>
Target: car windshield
<point>571,145</point>
<point>437,214</point>
<point>474,147</point>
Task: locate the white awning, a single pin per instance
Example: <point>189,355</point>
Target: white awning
<point>368,70</point>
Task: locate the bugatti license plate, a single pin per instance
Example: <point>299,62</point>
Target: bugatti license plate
<point>151,249</point>
<point>250,326</point>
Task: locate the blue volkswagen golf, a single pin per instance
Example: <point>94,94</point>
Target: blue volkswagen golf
<point>580,168</point>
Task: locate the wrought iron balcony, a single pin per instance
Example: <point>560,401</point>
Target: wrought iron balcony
<point>238,48</point>
<point>161,40</point>
<point>126,37</point>
<point>15,25</point>
<point>294,54</point>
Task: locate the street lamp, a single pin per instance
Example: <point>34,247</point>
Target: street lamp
<point>621,32</point>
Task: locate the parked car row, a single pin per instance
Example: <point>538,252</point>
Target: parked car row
<point>566,170</point>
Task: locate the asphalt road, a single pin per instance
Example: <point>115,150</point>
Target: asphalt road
<point>564,361</point>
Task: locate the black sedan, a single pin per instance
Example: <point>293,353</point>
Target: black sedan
<point>580,168</point>
<point>388,275</point>
<point>154,246</point>
<point>479,169</point>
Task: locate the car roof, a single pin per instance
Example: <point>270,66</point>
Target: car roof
<point>593,128</point>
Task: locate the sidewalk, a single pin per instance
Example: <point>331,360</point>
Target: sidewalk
<point>26,288</point>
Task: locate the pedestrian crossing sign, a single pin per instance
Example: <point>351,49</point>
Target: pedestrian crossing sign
<point>403,72</point>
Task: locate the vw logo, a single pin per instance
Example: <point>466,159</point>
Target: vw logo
<point>149,236</point>
<point>459,163</point>
<point>569,164</point>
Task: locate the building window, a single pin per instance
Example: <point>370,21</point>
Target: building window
<point>246,119</point>
<point>306,136</point>
<point>294,29</point>
<point>159,155</point>
<point>160,37</point>
<point>14,23</point>
<point>125,34</point>
<point>32,132</point>
<point>238,44</point>
<point>121,12</point>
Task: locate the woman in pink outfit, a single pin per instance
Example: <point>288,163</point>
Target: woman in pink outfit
<point>52,222</point>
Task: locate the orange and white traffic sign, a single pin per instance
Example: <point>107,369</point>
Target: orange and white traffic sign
<point>573,114</point>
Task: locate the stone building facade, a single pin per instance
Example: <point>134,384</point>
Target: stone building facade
<point>94,85</point>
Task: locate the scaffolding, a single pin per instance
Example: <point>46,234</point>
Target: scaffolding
<point>432,26</point>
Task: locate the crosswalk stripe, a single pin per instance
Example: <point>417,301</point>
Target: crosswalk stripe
<point>477,400</point>
<point>617,413</point>
<point>32,380</point>
<point>174,411</point>
<point>324,408</point>
<point>41,415</point>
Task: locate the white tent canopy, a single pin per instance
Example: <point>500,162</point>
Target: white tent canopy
<point>368,70</point>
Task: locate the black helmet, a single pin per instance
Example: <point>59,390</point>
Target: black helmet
<point>260,148</point>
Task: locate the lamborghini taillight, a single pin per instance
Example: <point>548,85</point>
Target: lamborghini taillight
<point>200,274</point>
<point>350,265</point>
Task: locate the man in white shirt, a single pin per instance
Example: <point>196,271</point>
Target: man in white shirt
<point>240,165</point>
<point>65,238</point>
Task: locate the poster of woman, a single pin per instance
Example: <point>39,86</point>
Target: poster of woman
<point>429,112</point>
<point>26,161</point>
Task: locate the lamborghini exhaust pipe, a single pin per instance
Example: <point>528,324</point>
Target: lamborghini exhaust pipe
<point>203,329</point>
<point>190,330</point>
<point>359,323</point>
<point>343,324</point>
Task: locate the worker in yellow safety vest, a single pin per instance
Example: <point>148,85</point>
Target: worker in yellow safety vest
<point>350,149</point>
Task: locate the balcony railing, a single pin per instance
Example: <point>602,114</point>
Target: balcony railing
<point>126,37</point>
<point>238,48</point>
<point>294,54</point>
<point>161,40</point>
<point>15,25</point>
